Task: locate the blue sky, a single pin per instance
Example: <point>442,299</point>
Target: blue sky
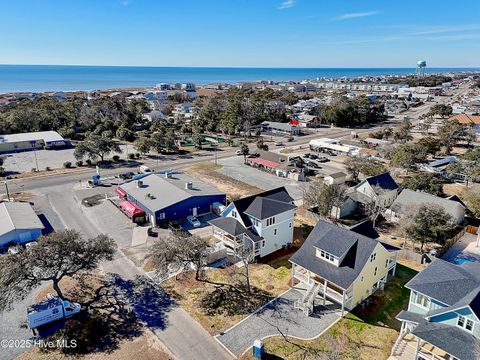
<point>263,33</point>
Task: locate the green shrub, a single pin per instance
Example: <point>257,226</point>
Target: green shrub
<point>79,163</point>
<point>67,164</point>
<point>131,156</point>
<point>88,162</point>
<point>116,158</point>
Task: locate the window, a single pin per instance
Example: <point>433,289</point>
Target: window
<point>263,243</point>
<point>361,279</point>
<point>375,273</point>
<point>373,257</point>
<point>274,231</point>
<point>422,300</point>
<point>325,255</point>
<point>465,323</point>
<point>386,263</point>
<point>234,213</point>
<point>290,225</point>
<point>271,221</point>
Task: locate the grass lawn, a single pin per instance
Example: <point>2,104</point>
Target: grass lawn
<point>368,334</point>
<point>224,300</point>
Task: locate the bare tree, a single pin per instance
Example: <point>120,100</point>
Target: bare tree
<point>376,206</point>
<point>326,198</point>
<point>178,253</point>
<point>246,255</point>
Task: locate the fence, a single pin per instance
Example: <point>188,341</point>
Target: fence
<point>449,243</point>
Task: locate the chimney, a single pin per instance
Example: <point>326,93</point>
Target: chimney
<point>188,185</point>
<point>139,183</point>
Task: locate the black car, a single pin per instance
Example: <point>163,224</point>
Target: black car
<point>323,159</point>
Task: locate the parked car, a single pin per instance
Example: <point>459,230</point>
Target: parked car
<point>278,143</point>
<point>322,159</point>
<point>238,152</point>
<point>126,176</point>
<point>307,155</point>
<point>30,244</point>
<point>313,156</point>
<point>145,169</point>
<point>193,221</point>
<point>290,138</point>
<point>151,232</point>
<point>254,155</point>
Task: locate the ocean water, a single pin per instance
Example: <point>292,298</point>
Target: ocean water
<point>15,78</point>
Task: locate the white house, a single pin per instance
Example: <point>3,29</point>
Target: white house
<point>336,178</point>
<point>262,223</point>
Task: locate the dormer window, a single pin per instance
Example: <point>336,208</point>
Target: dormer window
<point>234,213</point>
<point>327,256</point>
<point>373,257</point>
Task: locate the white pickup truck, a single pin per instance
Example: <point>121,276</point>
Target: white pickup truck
<point>49,310</point>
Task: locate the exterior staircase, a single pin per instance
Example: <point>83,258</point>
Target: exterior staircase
<point>306,303</point>
<point>403,350</point>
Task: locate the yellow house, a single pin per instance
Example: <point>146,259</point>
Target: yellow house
<point>341,265</point>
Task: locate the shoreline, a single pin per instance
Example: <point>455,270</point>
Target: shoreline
<point>72,78</point>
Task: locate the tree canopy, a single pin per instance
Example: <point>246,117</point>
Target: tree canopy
<point>427,182</point>
<point>325,198</point>
<point>56,256</point>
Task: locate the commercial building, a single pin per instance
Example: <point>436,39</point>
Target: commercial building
<point>31,141</point>
<point>18,223</point>
<point>170,196</point>
<point>279,128</point>
<point>333,145</point>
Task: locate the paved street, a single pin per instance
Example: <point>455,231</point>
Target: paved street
<point>277,318</point>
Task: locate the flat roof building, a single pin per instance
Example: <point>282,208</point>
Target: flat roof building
<point>31,141</point>
<point>171,196</point>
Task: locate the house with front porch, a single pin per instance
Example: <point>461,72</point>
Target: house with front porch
<point>442,319</point>
<point>262,223</point>
<point>341,265</point>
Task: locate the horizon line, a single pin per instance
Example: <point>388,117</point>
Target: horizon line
<point>247,67</point>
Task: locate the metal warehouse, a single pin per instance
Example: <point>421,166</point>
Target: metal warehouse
<point>171,196</point>
<point>31,141</point>
<point>18,223</point>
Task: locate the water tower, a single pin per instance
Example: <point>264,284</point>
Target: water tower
<point>421,65</point>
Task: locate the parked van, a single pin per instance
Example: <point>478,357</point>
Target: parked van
<point>145,169</point>
<point>49,310</point>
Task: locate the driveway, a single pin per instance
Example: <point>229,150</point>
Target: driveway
<point>235,168</point>
<point>277,317</point>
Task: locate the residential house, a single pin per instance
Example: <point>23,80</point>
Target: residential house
<point>335,178</point>
<point>184,111</point>
<point>19,223</point>
<point>261,222</point>
<point>279,128</point>
<point>170,197</point>
<point>380,189</point>
<point>341,265</point>
<point>409,200</point>
<point>442,321</point>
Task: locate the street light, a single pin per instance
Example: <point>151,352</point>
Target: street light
<point>6,188</point>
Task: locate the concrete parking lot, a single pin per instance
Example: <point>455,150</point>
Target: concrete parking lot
<point>235,168</point>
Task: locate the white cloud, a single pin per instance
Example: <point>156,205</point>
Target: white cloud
<point>287,4</point>
<point>355,15</point>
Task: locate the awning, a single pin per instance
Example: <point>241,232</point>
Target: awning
<point>120,192</point>
<point>263,162</point>
<point>131,209</point>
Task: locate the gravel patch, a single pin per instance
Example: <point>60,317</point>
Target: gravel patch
<point>277,317</point>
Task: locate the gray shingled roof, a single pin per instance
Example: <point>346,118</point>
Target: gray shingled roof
<point>409,198</point>
<point>325,236</point>
<point>234,228</point>
<point>384,181</point>
<point>446,282</point>
<point>451,339</point>
<point>229,224</point>
<point>263,208</point>
<point>405,315</point>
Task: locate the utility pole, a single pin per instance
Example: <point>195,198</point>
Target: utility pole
<point>6,188</point>
<point>36,160</point>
